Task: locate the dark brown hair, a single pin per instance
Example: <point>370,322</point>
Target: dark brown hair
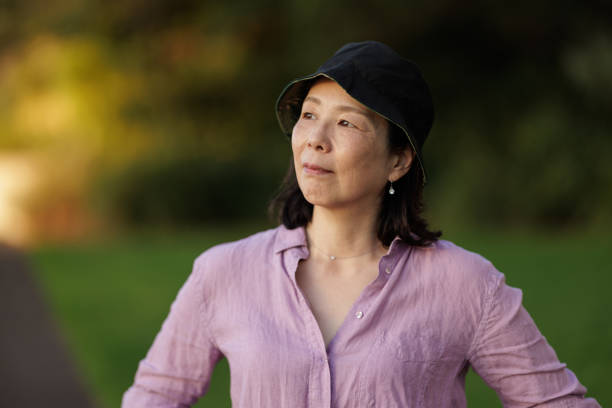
<point>400,214</point>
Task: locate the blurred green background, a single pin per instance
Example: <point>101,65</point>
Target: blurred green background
<point>134,135</point>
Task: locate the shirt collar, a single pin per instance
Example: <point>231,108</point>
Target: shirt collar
<point>291,238</point>
<point>395,244</point>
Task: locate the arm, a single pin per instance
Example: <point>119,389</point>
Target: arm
<point>514,359</point>
<point>179,364</point>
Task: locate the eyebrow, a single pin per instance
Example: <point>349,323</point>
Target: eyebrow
<point>344,108</point>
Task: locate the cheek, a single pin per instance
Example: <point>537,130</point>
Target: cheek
<point>297,137</point>
<point>295,149</point>
<point>369,158</point>
<point>368,167</point>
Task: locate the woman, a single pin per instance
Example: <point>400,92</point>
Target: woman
<point>352,302</point>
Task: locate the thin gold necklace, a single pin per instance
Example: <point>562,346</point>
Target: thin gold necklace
<point>333,257</point>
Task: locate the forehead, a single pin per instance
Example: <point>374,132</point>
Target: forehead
<point>331,91</point>
<point>328,93</point>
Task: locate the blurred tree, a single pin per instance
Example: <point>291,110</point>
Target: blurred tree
<point>521,91</point>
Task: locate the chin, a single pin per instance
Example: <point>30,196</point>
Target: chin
<point>315,199</point>
<point>325,201</point>
<point>316,196</point>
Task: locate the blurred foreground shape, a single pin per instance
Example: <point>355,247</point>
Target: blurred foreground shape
<point>35,369</point>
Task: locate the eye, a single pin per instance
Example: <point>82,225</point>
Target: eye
<point>346,123</point>
<point>307,115</point>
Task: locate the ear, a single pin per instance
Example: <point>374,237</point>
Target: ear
<point>401,162</point>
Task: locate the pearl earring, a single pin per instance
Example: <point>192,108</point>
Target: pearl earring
<point>391,189</point>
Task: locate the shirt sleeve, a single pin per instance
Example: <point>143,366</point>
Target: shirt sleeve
<point>177,368</point>
<point>512,356</point>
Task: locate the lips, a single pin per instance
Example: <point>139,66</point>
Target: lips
<point>310,168</point>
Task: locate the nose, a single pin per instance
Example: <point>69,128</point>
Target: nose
<point>318,138</point>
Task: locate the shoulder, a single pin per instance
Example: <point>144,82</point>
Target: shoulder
<point>447,251</point>
<point>460,285</point>
<point>245,250</point>
<point>447,262</point>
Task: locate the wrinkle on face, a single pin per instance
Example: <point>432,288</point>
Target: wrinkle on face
<point>359,157</point>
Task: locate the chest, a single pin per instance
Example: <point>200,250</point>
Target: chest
<point>332,294</point>
<point>391,356</point>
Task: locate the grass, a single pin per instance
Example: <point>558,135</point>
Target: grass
<point>111,296</point>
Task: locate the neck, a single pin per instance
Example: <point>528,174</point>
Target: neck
<point>344,234</point>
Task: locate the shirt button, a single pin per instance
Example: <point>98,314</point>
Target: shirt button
<point>359,314</point>
<point>388,271</point>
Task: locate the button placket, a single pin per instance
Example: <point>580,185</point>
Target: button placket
<point>320,382</point>
<point>386,266</point>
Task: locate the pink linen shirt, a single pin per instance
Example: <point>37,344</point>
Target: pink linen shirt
<point>408,341</point>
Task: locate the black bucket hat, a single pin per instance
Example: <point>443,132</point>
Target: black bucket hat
<point>379,78</point>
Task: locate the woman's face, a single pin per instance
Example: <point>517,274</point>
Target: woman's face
<point>341,150</point>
